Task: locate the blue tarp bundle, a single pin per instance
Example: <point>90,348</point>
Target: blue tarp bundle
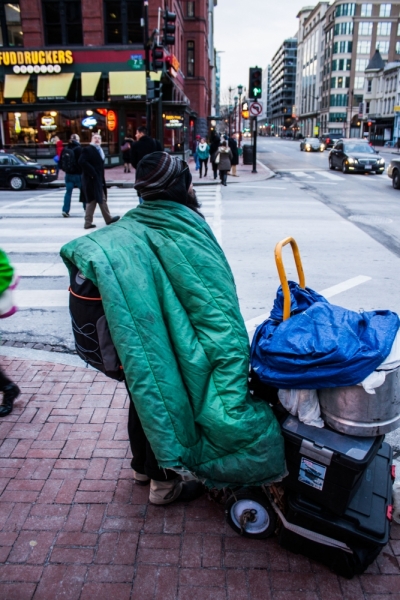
<point>321,345</point>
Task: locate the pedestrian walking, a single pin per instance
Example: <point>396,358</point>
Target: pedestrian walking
<point>69,163</point>
<point>94,190</point>
<point>214,145</point>
<point>126,150</point>
<point>223,160</point>
<point>203,152</point>
<point>235,155</point>
<point>59,148</point>
<point>9,389</point>
<point>195,152</point>
<point>144,145</point>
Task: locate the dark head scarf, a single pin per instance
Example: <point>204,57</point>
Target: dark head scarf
<point>160,176</point>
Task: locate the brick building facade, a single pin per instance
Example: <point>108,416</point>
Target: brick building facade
<point>75,66</point>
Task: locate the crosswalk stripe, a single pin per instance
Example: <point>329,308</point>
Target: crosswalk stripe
<point>331,176</point>
<point>41,298</point>
<point>301,174</point>
<point>41,269</point>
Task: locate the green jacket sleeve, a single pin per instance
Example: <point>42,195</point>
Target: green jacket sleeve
<point>6,272</point>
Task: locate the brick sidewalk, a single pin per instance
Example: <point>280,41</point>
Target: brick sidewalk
<point>74,526</point>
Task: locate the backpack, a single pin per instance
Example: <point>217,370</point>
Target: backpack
<point>92,336</point>
<point>67,161</point>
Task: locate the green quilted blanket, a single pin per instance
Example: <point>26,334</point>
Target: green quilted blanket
<point>172,309</point>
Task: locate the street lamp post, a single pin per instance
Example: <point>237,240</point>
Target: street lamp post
<point>240,92</point>
<point>236,99</point>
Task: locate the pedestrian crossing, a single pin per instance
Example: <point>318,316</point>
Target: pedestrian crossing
<point>33,230</point>
<point>324,177</point>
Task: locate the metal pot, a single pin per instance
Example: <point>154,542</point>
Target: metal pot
<point>351,410</point>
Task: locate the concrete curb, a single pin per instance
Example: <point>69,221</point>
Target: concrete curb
<point>43,355</point>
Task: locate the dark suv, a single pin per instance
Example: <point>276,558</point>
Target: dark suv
<point>330,139</point>
<point>18,171</point>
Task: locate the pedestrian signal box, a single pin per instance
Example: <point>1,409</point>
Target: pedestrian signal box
<point>255,83</point>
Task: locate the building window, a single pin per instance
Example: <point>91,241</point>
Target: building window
<point>344,28</point>
<point>190,9</point>
<point>358,83</point>
<point>62,22</point>
<point>345,10</point>
<point>190,59</point>
<point>361,64</point>
<point>338,100</point>
<point>363,47</point>
<point>342,47</point>
<point>397,47</point>
<point>366,10</point>
<point>122,21</point>
<point>337,117</point>
<point>369,85</point>
<point>340,82</point>
<point>383,47</point>
<point>341,64</point>
<point>384,28</point>
<point>384,10</point>
<point>10,31</point>
<point>365,28</point>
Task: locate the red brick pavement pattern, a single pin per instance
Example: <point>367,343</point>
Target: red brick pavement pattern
<point>74,526</point>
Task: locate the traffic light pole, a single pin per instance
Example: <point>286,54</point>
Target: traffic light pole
<point>147,62</point>
<point>254,145</point>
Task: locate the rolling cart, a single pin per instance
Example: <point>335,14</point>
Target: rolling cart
<point>335,503</point>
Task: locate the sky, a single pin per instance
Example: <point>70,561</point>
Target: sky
<point>248,33</point>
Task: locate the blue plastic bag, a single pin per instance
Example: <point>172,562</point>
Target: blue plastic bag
<point>321,345</point>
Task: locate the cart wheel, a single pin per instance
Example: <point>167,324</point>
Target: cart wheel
<point>250,514</point>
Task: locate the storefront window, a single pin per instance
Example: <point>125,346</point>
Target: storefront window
<point>62,22</point>
<point>33,132</point>
<point>10,30</point>
<point>122,21</point>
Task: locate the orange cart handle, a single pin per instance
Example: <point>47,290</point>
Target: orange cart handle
<point>282,273</point>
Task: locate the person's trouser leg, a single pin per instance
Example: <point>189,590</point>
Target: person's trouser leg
<point>233,170</point>
<point>4,381</point>
<point>69,186</point>
<point>201,167</point>
<point>105,211</point>
<point>89,212</point>
<point>144,460</point>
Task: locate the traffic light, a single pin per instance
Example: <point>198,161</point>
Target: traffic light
<point>157,57</point>
<point>255,83</point>
<point>369,123</point>
<point>245,110</point>
<point>169,28</point>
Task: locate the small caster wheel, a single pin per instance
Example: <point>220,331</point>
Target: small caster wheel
<point>250,514</point>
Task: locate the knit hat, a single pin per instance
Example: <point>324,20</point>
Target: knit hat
<point>161,176</point>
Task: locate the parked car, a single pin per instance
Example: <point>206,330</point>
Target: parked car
<point>311,145</point>
<point>18,171</point>
<point>393,172</point>
<point>330,139</point>
<point>355,156</point>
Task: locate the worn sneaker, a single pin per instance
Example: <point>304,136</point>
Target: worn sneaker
<point>65,214</point>
<point>90,226</point>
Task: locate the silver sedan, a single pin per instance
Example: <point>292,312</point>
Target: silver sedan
<point>311,145</point>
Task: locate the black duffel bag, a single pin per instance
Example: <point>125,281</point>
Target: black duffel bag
<point>93,340</point>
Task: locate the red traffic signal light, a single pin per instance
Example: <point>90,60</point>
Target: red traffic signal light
<point>157,58</point>
<point>369,123</point>
<point>169,28</point>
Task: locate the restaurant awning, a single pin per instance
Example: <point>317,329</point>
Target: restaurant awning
<point>14,85</point>
<point>127,83</point>
<point>51,86</point>
<point>90,81</point>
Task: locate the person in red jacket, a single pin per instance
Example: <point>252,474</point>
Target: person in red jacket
<point>59,149</point>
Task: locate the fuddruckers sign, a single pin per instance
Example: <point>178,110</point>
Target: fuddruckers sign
<point>26,58</point>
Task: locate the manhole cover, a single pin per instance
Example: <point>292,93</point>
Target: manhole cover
<point>370,219</point>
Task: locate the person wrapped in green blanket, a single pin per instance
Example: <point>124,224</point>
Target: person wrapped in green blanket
<point>9,389</point>
<point>171,305</point>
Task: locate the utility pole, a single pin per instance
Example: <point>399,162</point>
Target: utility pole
<point>146,42</point>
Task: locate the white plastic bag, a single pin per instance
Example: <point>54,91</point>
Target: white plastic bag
<point>303,404</point>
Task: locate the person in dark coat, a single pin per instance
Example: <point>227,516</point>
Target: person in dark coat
<point>214,145</point>
<point>143,146</point>
<point>127,154</point>
<point>235,155</point>
<point>93,182</point>
<point>73,174</point>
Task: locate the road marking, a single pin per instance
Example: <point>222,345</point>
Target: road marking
<point>331,176</point>
<point>217,222</point>
<point>263,166</point>
<point>258,187</point>
<point>41,269</point>
<point>41,298</point>
<point>301,174</point>
<point>253,323</point>
<point>345,285</point>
